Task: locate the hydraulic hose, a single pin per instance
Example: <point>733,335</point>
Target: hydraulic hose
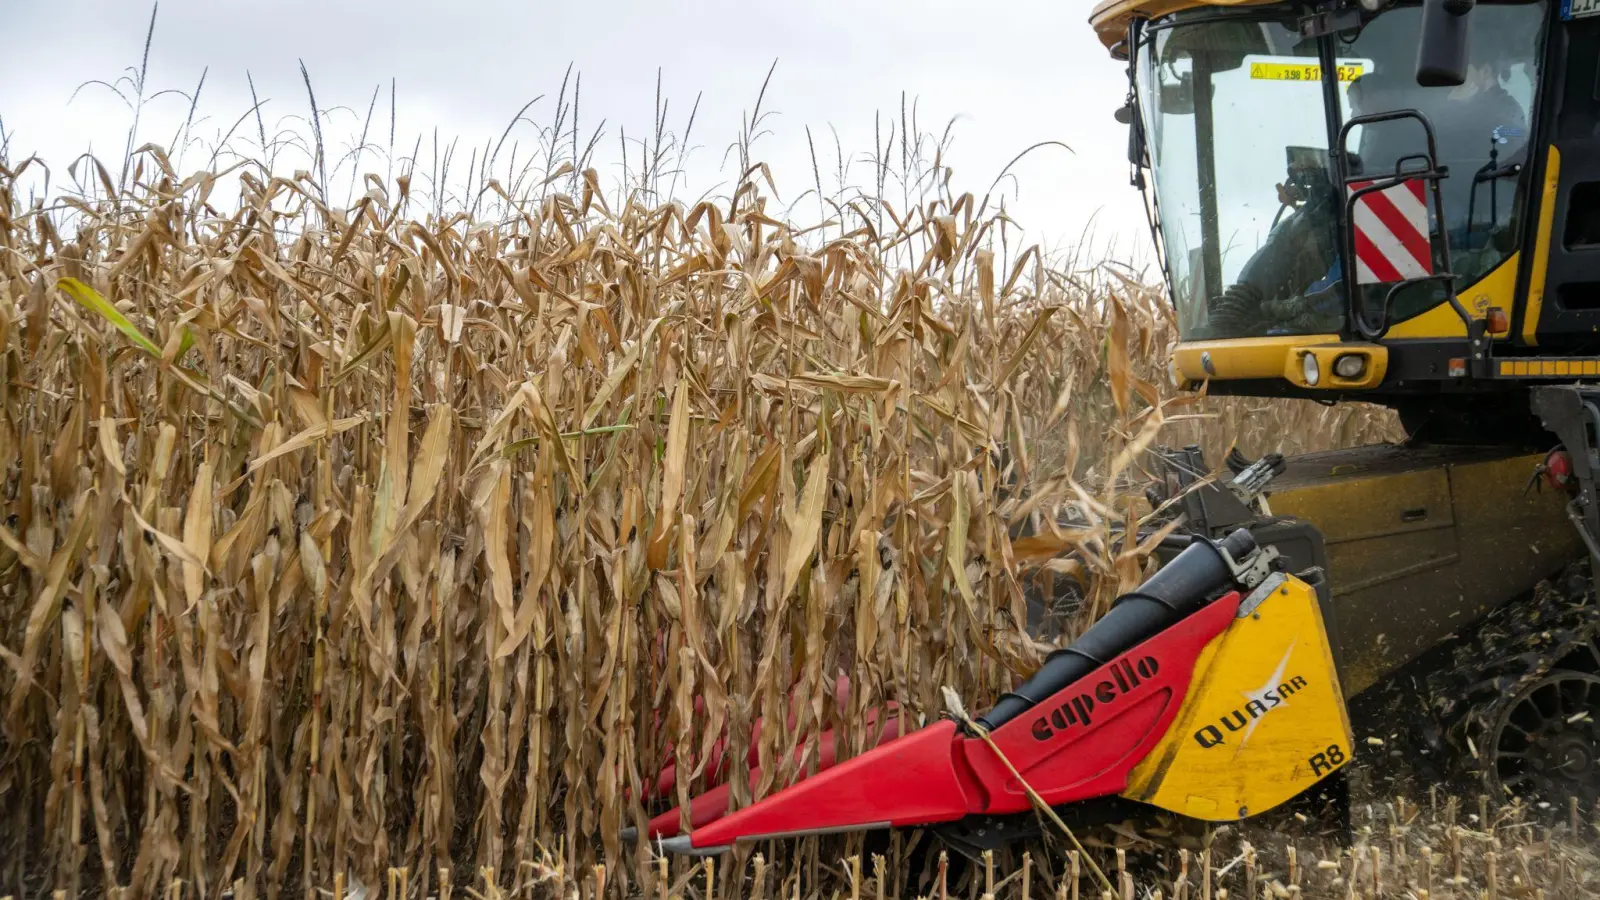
<point>1197,575</point>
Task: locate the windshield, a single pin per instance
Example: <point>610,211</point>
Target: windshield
<point>1238,139</point>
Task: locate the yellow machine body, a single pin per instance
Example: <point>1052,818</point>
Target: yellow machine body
<point>1421,543</point>
<point>1264,718</point>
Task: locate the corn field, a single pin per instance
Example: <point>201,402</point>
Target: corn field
<point>348,541</point>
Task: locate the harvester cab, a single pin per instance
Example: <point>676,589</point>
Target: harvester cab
<point>1375,199</point>
<point>1380,200</point>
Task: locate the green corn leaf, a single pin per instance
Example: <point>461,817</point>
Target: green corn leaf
<point>518,446</point>
<point>184,345</point>
<point>515,447</point>
<point>598,429</point>
<point>91,299</point>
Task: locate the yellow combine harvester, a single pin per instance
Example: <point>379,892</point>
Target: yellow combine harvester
<point>1373,200</point>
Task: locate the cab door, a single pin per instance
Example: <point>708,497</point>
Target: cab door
<point>1562,288</point>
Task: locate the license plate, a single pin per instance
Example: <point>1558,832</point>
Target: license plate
<point>1578,9</point>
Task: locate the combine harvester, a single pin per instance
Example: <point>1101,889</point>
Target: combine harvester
<point>1376,201</point>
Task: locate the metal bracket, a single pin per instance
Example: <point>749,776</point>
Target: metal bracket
<point>1212,508</point>
<point>1329,20</point>
<point>1253,569</point>
<point>1249,484</point>
<point>1255,598</point>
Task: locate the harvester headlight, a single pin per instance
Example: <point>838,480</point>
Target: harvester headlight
<point>1373,6</point>
<point>1173,374</point>
<point>1350,365</point>
<point>1311,369</point>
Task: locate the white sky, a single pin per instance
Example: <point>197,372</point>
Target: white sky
<point>1013,72</point>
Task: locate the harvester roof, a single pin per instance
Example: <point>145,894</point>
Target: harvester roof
<point>1111,17</point>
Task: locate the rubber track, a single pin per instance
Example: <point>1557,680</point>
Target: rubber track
<point>1512,647</point>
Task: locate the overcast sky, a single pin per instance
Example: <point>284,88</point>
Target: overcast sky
<point>1012,72</point>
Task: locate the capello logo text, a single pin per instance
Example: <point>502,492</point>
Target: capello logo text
<point>1080,708</point>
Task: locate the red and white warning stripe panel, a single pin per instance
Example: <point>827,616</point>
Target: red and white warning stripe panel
<point>1392,235</point>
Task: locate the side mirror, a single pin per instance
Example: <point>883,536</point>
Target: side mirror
<point>1442,55</point>
<point>1129,116</point>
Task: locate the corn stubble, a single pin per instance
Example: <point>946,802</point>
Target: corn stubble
<point>347,547</point>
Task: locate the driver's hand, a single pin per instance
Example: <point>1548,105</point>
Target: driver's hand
<point>1287,197</point>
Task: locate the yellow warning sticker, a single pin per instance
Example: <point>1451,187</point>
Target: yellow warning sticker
<point>1283,71</point>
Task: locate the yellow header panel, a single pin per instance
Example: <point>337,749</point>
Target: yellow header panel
<point>1264,718</point>
<point>1110,19</point>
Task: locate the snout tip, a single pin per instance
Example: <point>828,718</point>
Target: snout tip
<point>683,846</point>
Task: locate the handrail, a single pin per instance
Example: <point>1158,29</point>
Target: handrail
<point>1433,174</point>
